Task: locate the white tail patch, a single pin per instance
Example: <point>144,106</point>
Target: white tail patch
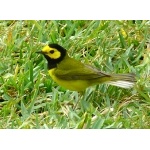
<point>123,84</point>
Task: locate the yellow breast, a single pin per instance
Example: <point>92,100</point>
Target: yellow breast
<point>73,85</point>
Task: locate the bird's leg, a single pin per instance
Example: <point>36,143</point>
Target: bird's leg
<point>80,94</point>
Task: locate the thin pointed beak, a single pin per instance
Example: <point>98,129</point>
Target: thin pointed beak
<point>40,52</point>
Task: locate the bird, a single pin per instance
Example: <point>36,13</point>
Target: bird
<point>77,76</point>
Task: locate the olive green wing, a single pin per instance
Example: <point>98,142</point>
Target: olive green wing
<point>85,72</point>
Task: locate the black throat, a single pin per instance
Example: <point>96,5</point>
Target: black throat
<point>52,63</point>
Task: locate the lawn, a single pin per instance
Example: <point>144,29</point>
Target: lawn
<point>29,99</point>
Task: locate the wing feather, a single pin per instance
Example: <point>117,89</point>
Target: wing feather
<point>84,72</point>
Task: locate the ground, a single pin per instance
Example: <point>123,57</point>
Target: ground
<point>30,99</point>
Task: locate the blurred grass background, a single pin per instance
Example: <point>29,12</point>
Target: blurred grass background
<point>30,99</point>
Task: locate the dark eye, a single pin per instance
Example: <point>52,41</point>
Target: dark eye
<point>52,51</point>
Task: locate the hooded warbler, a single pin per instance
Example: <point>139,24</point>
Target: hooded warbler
<point>76,76</point>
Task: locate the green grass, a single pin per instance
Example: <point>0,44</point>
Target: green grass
<point>30,99</point>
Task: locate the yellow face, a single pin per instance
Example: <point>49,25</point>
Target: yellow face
<point>51,52</point>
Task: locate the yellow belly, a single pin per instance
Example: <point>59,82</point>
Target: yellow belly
<point>73,85</point>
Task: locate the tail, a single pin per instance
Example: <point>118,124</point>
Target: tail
<point>122,80</point>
